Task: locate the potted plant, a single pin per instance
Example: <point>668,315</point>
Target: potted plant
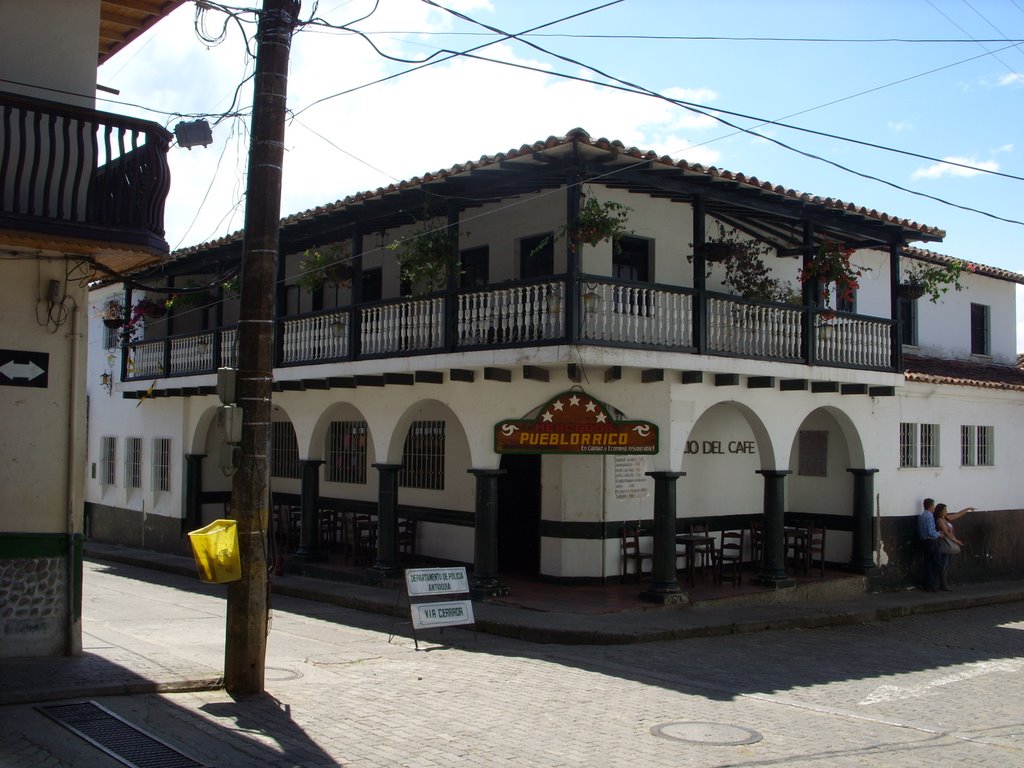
<point>831,266</point>
<point>148,308</point>
<point>596,222</point>
<point>330,264</point>
<point>933,279</point>
<point>425,257</point>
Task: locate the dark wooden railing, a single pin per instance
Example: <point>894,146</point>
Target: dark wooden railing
<point>532,313</point>
<point>61,164</point>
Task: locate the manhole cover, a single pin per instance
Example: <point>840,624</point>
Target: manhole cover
<point>278,674</point>
<point>714,734</point>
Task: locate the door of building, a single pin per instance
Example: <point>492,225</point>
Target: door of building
<point>519,515</point>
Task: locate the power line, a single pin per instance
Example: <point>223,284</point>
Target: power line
<point>704,111</point>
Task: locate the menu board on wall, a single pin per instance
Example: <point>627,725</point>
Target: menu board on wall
<point>629,478</point>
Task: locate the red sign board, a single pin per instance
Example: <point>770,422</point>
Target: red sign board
<point>574,422</point>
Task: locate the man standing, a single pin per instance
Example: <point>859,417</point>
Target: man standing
<point>929,536</point>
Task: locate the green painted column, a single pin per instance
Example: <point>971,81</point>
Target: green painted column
<point>309,526</point>
<point>193,515</point>
<point>485,581</point>
<point>387,519</point>
<point>862,557</point>
<point>773,564</point>
<point>664,586</point>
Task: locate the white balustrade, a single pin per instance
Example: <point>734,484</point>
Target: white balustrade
<point>636,314</point>
<point>314,338</point>
<point>519,314</point>
<point>146,359</point>
<point>854,341</point>
<point>409,326</point>
<point>192,354</point>
<point>229,348</point>
<point>753,330</point>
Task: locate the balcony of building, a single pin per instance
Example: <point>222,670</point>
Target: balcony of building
<point>588,310</point>
<point>82,181</point>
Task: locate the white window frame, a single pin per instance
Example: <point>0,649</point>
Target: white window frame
<point>919,445</point>
<point>977,445</point>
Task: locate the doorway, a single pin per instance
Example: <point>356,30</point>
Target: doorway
<point>519,515</point>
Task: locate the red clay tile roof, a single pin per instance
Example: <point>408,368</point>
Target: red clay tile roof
<point>964,373</point>
<point>607,150</point>
<point>921,254</point>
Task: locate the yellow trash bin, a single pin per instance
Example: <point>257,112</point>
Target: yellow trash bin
<point>215,548</point>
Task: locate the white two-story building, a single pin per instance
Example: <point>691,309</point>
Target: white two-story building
<point>589,360</point>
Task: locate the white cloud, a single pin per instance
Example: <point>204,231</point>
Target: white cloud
<point>939,170</point>
<point>899,126</point>
<point>1011,79</point>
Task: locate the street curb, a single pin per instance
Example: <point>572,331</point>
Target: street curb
<point>503,621</point>
<point>37,695</point>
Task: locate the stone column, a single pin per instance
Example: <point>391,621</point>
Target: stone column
<point>773,564</point>
<point>664,586</point>
<point>485,582</point>
<point>862,557</point>
<point>309,527</point>
<point>387,520</point>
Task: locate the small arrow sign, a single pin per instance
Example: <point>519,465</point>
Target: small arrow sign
<point>23,369</point>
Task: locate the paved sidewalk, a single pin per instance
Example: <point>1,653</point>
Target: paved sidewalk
<point>110,668</point>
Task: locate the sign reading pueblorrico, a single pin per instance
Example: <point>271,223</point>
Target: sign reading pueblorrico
<point>574,422</point>
<point>423,583</point>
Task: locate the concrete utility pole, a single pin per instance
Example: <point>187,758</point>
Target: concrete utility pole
<point>245,647</point>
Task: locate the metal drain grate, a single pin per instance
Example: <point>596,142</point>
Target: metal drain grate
<point>116,736</point>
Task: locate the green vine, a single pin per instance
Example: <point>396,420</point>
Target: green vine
<point>935,279</point>
<point>425,257</point>
<point>330,264</point>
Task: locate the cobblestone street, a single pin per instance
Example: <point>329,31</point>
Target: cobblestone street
<point>939,690</point>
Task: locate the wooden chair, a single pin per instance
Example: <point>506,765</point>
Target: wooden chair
<point>360,535</point>
<point>795,551</point>
<point>730,556</point>
<point>407,538</point>
<point>815,546</point>
<point>757,542</point>
<point>631,551</point>
<point>703,554</point>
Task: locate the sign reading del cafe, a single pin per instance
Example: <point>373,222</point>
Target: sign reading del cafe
<point>575,422</point>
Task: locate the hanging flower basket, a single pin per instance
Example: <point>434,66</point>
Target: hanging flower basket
<point>934,279</point>
<point>911,291</point>
<point>113,322</point>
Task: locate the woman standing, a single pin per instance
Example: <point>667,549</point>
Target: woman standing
<point>944,522</point>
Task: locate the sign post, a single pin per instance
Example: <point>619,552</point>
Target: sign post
<point>430,605</point>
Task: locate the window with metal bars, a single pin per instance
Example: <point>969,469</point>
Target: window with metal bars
<point>284,451</point>
<point>919,445</point>
<point>108,460</point>
<point>346,452</point>
<point>423,456</point>
<point>976,446</point>
<point>929,445</point>
<point>161,464</point>
<point>133,462</point>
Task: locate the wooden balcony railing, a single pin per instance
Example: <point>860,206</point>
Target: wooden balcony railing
<point>66,165</point>
<point>606,312</point>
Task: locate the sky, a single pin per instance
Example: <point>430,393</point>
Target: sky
<point>943,79</point>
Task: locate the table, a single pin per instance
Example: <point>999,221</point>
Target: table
<point>690,541</point>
